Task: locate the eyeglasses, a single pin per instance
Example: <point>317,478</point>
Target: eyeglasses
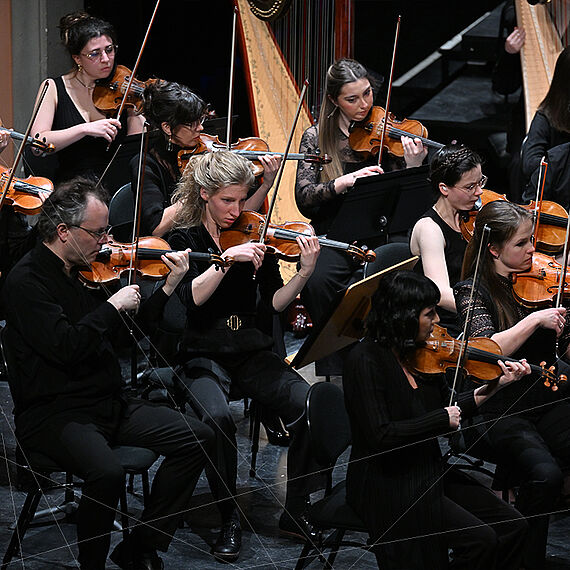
<point>97,235</point>
<point>96,54</point>
<point>194,126</point>
<point>471,187</point>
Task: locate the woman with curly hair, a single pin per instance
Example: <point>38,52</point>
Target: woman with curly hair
<point>415,506</point>
<point>68,117</point>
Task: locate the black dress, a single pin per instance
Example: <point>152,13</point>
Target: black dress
<point>88,156</point>
<point>454,250</point>
<point>397,482</point>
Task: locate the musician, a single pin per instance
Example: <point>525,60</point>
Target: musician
<point>319,192</point>
<point>396,480</point>
<point>68,117</point>
<point>457,180</point>
<point>177,114</point>
<point>68,394</point>
<point>528,424</point>
<point>549,135</point>
<point>222,348</point>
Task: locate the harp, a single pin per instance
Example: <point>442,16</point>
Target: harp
<point>283,42</point>
<point>546,27</point>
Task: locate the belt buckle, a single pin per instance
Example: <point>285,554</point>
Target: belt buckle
<point>233,322</point>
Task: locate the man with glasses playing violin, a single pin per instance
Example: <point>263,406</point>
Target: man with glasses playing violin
<point>69,399</point>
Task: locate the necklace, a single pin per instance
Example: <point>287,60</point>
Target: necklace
<point>86,86</point>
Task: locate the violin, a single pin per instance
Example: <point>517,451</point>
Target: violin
<point>251,148</point>
<point>365,135</point>
<point>25,195</point>
<point>551,229</point>
<point>281,238</point>
<point>114,258</point>
<point>40,147</point>
<point>440,352</point>
<point>108,94</point>
<point>537,287</point>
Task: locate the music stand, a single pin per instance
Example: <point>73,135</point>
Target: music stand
<point>380,205</point>
<point>345,322</point>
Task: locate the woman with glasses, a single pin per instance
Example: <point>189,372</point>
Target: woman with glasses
<point>528,424</point>
<point>457,180</point>
<point>176,115</point>
<point>68,117</point>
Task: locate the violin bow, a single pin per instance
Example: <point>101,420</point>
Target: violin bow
<point>231,90</point>
<point>283,163</point>
<point>539,194</point>
<point>389,91</point>
<point>18,157</point>
<point>136,66</point>
<point>464,336</point>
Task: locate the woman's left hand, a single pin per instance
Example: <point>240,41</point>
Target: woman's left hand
<point>513,371</point>
<point>414,151</point>
<point>178,263</point>
<point>270,163</point>
<point>4,138</point>
<point>310,249</point>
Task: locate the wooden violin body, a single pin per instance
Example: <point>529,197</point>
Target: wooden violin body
<point>107,95</point>
<point>551,227</point>
<point>365,135</point>
<point>115,258</point>
<point>281,238</point>
<point>250,148</point>
<point>25,195</point>
<point>480,362</point>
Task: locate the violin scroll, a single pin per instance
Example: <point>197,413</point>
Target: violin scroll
<point>550,380</point>
<point>363,254</point>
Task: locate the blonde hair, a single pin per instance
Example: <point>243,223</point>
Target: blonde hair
<point>212,172</point>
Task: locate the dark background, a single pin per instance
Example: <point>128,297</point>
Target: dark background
<point>191,40</point>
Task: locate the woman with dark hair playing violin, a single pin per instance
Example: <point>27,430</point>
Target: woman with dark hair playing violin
<point>528,424</point>
<point>319,191</point>
<point>68,117</point>
<point>223,348</point>
<point>415,506</point>
<point>457,181</point>
<point>176,114</point>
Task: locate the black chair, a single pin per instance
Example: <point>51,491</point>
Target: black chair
<point>386,256</point>
<point>39,468</point>
<point>329,432</point>
<point>122,213</point>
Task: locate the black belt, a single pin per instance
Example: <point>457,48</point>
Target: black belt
<point>233,322</point>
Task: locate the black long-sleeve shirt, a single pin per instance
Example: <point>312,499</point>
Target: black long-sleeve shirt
<point>59,342</point>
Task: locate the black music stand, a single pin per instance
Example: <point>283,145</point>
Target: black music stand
<point>345,322</point>
<point>382,205</point>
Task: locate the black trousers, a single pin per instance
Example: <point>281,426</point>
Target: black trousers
<point>334,272</point>
<point>82,446</point>
<point>534,448</point>
<point>264,377</point>
<point>483,532</point>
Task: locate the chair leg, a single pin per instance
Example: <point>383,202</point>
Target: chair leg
<point>131,483</point>
<point>256,413</point>
<point>124,512</point>
<point>304,558</point>
<point>24,520</point>
<point>145,487</point>
<point>335,540</point>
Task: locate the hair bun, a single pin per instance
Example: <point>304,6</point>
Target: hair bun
<point>69,21</point>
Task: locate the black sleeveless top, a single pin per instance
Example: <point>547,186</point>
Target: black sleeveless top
<point>454,251</point>
<point>88,156</point>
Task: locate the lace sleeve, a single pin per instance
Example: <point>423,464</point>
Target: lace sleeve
<point>309,191</point>
<point>482,321</point>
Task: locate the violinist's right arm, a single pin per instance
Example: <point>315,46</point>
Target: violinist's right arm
<point>102,128</point>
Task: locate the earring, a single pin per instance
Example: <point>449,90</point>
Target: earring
<point>332,112</point>
<point>79,68</point>
<point>169,144</point>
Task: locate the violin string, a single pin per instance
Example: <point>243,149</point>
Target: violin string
<point>137,331</point>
